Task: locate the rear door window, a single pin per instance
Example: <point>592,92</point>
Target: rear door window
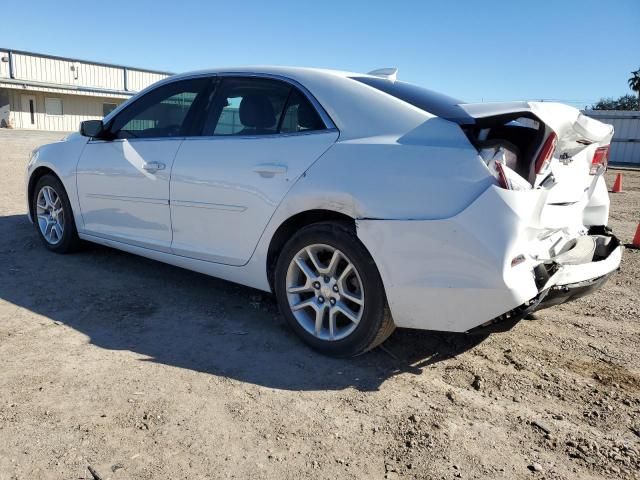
<point>259,106</point>
<point>247,106</point>
<point>300,115</point>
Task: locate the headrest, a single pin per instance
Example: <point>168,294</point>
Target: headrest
<point>256,111</point>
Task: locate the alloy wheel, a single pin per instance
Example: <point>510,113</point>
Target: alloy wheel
<point>50,215</point>
<point>325,292</point>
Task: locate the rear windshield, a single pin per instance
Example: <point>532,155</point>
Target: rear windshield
<point>431,102</point>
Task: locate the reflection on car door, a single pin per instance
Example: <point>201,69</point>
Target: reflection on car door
<point>123,183</point>
<point>259,137</point>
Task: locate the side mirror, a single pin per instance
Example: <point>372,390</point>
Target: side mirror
<point>92,128</point>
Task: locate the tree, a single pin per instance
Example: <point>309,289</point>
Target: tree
<point>625,102</point>
<point>634,84</point>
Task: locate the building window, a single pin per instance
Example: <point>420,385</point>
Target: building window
<point>53,106</point>
<point>107,108</point>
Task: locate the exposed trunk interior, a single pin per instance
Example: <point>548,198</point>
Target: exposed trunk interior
<point>520,134</point>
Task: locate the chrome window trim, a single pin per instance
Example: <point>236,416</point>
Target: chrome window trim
<point>210,137</point>
<point>269,135</point>
<point>134,139</point>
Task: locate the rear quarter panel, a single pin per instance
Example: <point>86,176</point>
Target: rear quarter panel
<point>430,172</point>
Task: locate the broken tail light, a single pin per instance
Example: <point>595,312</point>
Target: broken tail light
<point>502,176</point>
<point>508,179</point>
<point>501,161</point>
<point>517,260</point>
<point>544,157</point>
<point>600,160</point>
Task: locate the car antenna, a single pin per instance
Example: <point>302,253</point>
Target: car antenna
<point>390,73</point>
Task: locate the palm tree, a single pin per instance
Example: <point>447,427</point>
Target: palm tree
<point>634,84</point>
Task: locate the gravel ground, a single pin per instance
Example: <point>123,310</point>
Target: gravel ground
<point>145,371</point>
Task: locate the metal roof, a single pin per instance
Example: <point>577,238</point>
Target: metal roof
<point>91,62</point>
<point>63,90</point>
<point>625,145</point>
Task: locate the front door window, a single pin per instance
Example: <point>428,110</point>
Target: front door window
<point>168,111</point>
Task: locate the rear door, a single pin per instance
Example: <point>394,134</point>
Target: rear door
<point>260,135</point>
<point>123,182</point>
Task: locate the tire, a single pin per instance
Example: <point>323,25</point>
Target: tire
<point>355,317</point>
<point>57,213</point>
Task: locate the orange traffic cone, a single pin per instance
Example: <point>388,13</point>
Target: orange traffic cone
<point>636,239</point>
<point>617,185</point>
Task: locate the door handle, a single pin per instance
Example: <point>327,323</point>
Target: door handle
<point>153,167</point>
<point>268,170</point>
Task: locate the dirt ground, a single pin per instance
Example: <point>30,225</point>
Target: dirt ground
<point>145,371</point>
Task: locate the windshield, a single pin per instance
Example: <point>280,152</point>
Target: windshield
<point>431,102</point>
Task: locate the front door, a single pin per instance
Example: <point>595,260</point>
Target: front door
<point>260,136</point>
<point>28,118</point>
<point>123,178</point>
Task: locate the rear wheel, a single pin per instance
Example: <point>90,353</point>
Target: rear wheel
<point>329,289</point>
<point>53,217</point>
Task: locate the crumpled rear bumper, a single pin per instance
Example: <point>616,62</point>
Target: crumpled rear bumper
<point>570,282</point>
<point>459,273</point>
<point>565,293</point>
<point>554,295</point>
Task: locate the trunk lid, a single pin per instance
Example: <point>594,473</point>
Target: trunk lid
<point>568,180</point>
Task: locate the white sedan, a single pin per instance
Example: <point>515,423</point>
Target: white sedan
<point>362,202</point>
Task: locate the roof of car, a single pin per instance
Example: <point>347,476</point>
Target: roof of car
<point>285,71</point>
<point>346,101</point>
<point>357,110</point>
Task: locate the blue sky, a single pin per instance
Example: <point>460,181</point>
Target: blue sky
<point>572,50</point>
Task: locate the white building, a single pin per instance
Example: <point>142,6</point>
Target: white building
<point>45,92</point>
<point>625,145</point>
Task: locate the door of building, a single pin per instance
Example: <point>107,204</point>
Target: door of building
<point>28,112</point>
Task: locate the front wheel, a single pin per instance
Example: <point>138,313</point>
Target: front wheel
<point>330,291</point>
<point>53,217</point>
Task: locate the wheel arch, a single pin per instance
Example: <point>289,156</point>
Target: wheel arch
<point>294,223</point>
<point>37,174</point>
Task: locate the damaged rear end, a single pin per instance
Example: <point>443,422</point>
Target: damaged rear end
<point>548,161</point>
